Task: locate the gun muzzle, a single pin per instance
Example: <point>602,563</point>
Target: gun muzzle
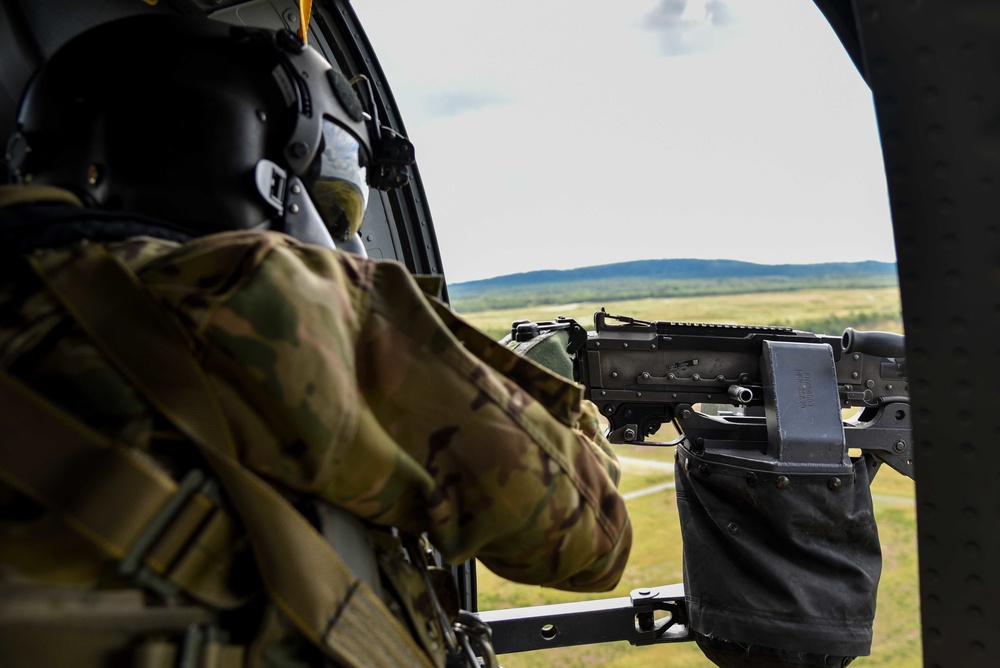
<point>743,395</point>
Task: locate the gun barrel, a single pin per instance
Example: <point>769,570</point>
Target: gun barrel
<point>883,344</point>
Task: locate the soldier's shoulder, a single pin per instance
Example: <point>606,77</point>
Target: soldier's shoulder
<point>223,253</point>
<point>221,265</point>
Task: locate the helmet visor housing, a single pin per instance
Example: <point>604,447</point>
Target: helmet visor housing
<point>340,190</point>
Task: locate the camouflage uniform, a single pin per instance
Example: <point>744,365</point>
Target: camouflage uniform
<point>341,381</point>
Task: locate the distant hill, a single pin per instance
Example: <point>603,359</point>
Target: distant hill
<point>662,278</point>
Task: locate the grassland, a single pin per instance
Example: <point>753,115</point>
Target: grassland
<point>656,556</point>
<point>821,310</point>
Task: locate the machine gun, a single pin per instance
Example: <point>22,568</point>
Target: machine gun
<point>767,398</point>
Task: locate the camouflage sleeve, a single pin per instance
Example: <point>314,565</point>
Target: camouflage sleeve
<point>593,431</point>
<point>344,381</point>
<point>513,480</point>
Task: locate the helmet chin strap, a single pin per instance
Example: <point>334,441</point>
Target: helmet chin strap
<point>299,216</point>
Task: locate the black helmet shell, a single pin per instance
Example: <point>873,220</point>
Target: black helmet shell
<point>169,116</point>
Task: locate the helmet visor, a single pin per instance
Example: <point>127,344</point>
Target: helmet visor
<point>340,191</point>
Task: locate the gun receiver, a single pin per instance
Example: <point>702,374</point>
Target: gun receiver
<point>765,398</point>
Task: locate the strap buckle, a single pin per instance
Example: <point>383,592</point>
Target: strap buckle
<point>467,638</point>
<point>131,565</point>
<point>473,632</point>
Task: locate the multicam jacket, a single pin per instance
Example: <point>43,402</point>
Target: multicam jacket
<point>343,381</point>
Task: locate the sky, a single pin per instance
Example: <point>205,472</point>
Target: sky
<point>554,134</point>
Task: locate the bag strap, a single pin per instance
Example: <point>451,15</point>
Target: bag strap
<point>303,576</point>
<point>166,536</point>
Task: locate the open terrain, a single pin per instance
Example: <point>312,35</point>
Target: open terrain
<point>820,310</point>
<point>663,279</point>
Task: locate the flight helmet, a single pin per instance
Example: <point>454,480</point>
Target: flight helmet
<point>209,126</point>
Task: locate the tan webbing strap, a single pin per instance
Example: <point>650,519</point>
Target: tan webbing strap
<point>63,467</point>
<point>145,345</point>
<point>117,499</point>
<point>302,574</point>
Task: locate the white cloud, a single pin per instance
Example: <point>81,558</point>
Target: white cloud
<point>690,26</point>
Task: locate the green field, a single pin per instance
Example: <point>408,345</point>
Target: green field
<point>824,311</point>
<point>656,554</point>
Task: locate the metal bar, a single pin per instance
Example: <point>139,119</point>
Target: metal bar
<point>628,618</point>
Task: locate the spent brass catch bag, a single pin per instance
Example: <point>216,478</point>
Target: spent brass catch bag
<point>779,567</point>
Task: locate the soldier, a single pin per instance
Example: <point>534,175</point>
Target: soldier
<point>195,388</point>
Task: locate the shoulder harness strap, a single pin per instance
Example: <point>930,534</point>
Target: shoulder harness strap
<point>166,536</point>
